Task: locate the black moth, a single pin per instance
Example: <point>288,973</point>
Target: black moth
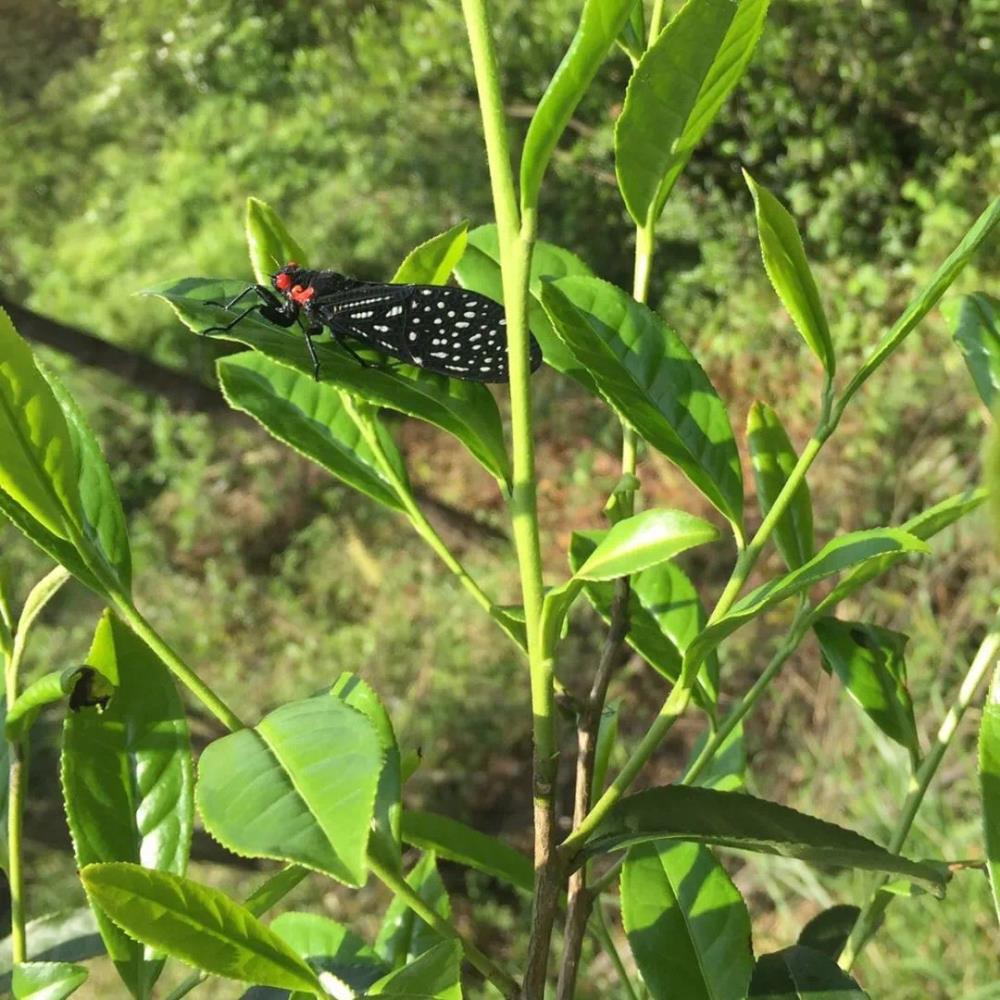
<point>447,330</point>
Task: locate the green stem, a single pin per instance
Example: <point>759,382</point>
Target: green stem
<point>603,934</point>
<point>18,779</point>
<point>175,664</point>
<point>397,884</point>
<point>982,664</point>
<point>655,22</point>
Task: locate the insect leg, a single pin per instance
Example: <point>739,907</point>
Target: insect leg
<point>310,332</point>
<point>223,328</point>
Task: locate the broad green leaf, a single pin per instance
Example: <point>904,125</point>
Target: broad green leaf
<point>37,461</point>
<point>64,936</point>
<point>300,786</point>
<point>128,778</point>
<point>432,262</point>
<point>686,922</point>
<point>269,242</point>
<point>197,924</point>
<point>465,409</point>
<point>842,553</point>
<point>601,21</point>
<point>607,737</point>
<point>726,771</point>
<point>787,267</point>
<point>773,459</point>
<point>453,840</point>
<point>479,270</point>
<point>745,823</point>
<point>435,975</point>
<point>870,663</point>
<point>927,297</point>
<point>39,693</point>
<point>103,519</point>
<point>641,541</point>
<point>829,930</point>
<point>665,614</point>
<point>668,105</point>
<point>644,371</point>
<point>350,689</point>
<point>989,783</point>
<point>403,936</point>
<point>47,980</point>
<point>801,973</point>
<point>308,416</point>
<point>975,325</point>
<point>330,947</point>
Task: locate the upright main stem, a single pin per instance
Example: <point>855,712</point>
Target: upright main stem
<point>17,778</point>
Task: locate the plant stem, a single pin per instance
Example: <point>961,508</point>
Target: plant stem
<point>175,664</point>
<point>398,885</point>
<point>655,22</point>
<point>982,664</point>
<point>516,239</point>
<point>603,934</point>
<point>18,780</point>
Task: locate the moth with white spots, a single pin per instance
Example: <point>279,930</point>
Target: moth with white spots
<point>402,321</point>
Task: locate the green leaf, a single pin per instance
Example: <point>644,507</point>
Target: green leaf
<point>773,459</point>
<point>37,461</point>
<point>989,783</point>
<point>41,692</point>
<point>829,930</point>
<point>308,416</point>
<point>686,922</point>
<point>641,541</point>
<point>269,242</point>
<point>842,553</point>
<point>47,980</point>
<point>745,823</point>
<point>103,519</point>
<point>330,947</point>
<point>435,975</point>
<point>353,691</point>
<point>869,662</point>
<point>975,325</point>
<point>632,38</point>
<point>432,262</point>
<point>65,936</point>
<point>600,24</point>
<point>800,973</point>
<point>644,371</point>
<point>127,778</point>
<point>465,409</point>
<point>927,297</point>
<point>479,270</point>
<point>787,267</point>
<point>726,771</point>
<point>197,924</point>
<point>300,786</point>
<point>403,935</point>
<point>665,614</point>
<point>675,92</point>
<point>455,841</point>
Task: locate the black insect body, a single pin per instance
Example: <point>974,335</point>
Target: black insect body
<point>447,330</point>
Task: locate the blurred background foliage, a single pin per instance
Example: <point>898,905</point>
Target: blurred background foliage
<point>134,131</point>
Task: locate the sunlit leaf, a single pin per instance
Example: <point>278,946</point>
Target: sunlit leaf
<point>270,244</point>
<point>975,325</point>
<point>432,262</point>
<point>47,980</point>
<point>435,975</point>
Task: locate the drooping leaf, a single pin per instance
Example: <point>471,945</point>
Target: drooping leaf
<point>641,541</point>
<point>432,262</point>
<point>870,663</point>
<point>456,841</point>
<point>127,778</point>
<point>829,930</point>
<point>197,924</point>
<point>465,409</point>
<point>47,980</point>
<point>686,922</point>
<point>479,270</point>
<point>403,935</point>
<point>773,459</point>
<point>270,244</point>
<point>975,325</point>
<point>787,267</point>
<point>601,21</point>
<point>435,975</point>
<point>841,553</point>
<point>308,416</point>
<point>989,783</point>
<point>800,973</point>
<point>41,692</point>
<point>743,822</point>
<point>37,461</point>
<point>644,371</point>
<point>300,786</point>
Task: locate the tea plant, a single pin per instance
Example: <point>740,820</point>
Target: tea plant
<point>318,784</point>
